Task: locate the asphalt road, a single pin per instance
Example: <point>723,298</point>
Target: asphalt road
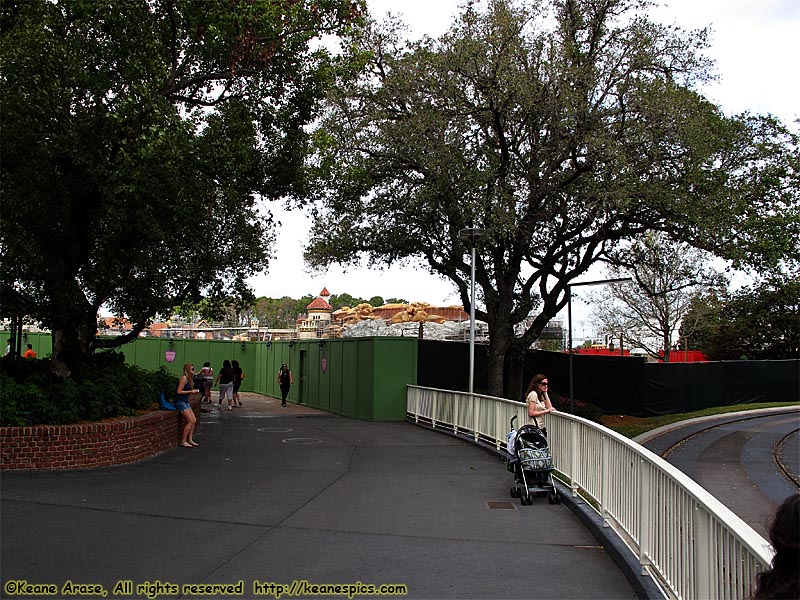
<point>749,461</point>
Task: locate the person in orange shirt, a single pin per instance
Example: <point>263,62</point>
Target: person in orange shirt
<point>29,352</point>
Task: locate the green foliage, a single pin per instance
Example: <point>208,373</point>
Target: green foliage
<point>551,345</point>
<point>338,301</point>
<point>395,301</point>
<point>560,138</point>
<point>137,138</point>
<point>106,388</point>
<point>759,322</point>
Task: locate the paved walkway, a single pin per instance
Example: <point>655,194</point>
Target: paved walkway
<point>274,496</point>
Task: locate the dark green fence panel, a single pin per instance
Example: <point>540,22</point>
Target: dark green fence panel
<point>394,367</point>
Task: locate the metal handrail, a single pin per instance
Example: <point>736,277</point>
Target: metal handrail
<point>683,537</point>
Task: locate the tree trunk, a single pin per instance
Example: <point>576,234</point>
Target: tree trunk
<point>72,345</point>
<point>74,332</point>
<point>495,361</point>
<point>501,338</point>
<point>514,370</point>
<point>666,342</point>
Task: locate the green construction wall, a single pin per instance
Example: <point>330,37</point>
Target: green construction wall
<point>363,378</point>
<point>42,342</point>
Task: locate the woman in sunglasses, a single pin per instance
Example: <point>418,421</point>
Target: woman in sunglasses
<point>538,401</point>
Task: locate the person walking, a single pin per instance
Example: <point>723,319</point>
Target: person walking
<point>285,380</point>
<point>207,374</point>
<point>225,380</point>
<point>538,401</point>
<point>30,353</point>
<point>238,375</point>
<point>182,395</point>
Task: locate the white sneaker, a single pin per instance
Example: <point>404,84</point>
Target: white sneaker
<point>230,408</point>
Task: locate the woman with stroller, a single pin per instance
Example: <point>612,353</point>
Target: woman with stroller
<point>538,401</point>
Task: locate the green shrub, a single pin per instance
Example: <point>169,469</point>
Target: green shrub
<point>10,413</point>
<point>104,388</point>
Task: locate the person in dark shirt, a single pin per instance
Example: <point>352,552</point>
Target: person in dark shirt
<point>225,380</point>
<point>285,380</point>
<point>238,375</point>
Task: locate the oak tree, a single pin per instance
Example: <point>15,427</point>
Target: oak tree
<point>138,137</point>
<point>561,128</point>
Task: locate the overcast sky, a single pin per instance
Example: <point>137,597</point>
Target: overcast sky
<point>755,43</point>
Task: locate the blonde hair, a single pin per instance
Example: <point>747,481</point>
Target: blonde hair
<point>188,373</point>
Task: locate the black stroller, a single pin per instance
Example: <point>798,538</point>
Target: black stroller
<point>532,465</point>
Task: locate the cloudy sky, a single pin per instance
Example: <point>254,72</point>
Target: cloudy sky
<point>755,44</point>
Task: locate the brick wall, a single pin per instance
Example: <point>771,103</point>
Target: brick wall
<point>93,445</point>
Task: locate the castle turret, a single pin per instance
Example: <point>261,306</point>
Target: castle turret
<point>318,318</point>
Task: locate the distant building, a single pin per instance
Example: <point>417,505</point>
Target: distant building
<point>317,321</point>
<point>113,326</point>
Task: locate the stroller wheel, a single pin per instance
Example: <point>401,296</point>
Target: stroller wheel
<point>557,498</point>
<point>514,492</point>
<point>526,500</point>
<point>550,499</point>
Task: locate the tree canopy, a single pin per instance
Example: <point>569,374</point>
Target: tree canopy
<point>137,139</point>
<point>561,128</point>
<point>665,278</point>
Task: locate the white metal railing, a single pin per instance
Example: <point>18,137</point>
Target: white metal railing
<point>687,540</point>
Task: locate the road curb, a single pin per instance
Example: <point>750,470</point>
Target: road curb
<point>741,415</point>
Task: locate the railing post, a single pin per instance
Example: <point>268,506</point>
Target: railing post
<point>605,484</point>
<point>702,551</point>
<point>456,404</point>
<point>574,459</point>
<point>646,496</point>
<point>474,416</point>
<point>498,432</point>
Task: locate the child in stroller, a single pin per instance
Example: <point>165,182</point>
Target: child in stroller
<point>532,465</point>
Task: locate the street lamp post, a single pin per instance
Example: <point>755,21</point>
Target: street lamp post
<point>472,235</point>
<point>569,325</point>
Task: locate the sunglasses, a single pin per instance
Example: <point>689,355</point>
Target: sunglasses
<point>543,383</point>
